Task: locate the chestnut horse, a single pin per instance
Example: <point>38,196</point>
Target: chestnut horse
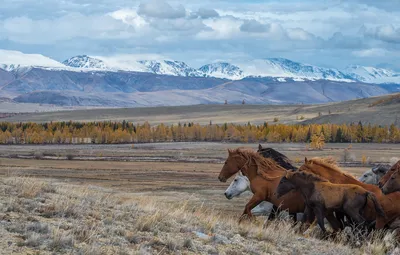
<point>335,175</point>
<point>322,196</point>
<point>392,205</point>
<point>385,178</point>
<point>264,175</point>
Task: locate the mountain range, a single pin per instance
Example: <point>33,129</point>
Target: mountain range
<point>127,82</point>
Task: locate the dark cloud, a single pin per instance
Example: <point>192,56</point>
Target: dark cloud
<point>386,33</point>
<point>161,9</point>
<point>207,13</point>
<point>253,26</point>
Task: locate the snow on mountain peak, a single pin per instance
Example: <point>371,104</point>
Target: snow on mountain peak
<point>222,70</point>
<point>281,67</point>
<point>169,67</point>
<point>373,74</point>
<point>84,61</point>
<point>11,60</point>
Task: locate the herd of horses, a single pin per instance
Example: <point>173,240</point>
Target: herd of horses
<point>319,190</point>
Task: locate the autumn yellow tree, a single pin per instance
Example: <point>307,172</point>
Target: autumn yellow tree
<point>317,142</point>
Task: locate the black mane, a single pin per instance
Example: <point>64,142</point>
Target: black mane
<point>278,157</point>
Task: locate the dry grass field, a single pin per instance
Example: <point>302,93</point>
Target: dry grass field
<point>382,110</point>
<point>152,199</point>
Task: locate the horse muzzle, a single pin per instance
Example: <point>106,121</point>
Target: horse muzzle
<point>228,196</point>
<point>221,179</point>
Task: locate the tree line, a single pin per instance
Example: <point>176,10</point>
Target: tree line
<point>107,132</point>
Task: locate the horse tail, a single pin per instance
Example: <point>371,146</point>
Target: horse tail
<point>378,207</point>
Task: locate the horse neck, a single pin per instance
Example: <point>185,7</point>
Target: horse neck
<point>306,188</point>
<point>251,171</point>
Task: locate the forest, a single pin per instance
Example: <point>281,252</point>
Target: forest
<point>108,132</point>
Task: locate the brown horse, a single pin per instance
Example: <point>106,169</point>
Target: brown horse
<point>393,184</point>
<point>392,170</point>
<point>335,175</point>
<point>264,175</point>
<point>322,196</point>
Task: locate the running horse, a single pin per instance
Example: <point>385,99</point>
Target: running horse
<point>322,196</point>
<point>264,175</point>
<point>334,174</point>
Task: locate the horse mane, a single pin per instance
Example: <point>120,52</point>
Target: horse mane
<point>330,164</point>
<point>278,157</point>
<point>264,165</point>
<point>308,176</point>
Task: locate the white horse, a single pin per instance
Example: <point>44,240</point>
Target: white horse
<point>240,185</point>
<point>373,175</point>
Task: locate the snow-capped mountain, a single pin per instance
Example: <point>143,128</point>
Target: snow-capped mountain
<point>84,61</point>
<point>285,68</point>
<point>222,70</point>
<point>168,67</point>
<point>11,60</point>
<point>373,74</point>
<point>280,69</point>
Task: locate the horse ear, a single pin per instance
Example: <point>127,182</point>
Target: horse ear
<point>260,147</point>
<point>230,151</point>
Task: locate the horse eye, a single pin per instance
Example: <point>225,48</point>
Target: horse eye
<point>365,175</point>
<point>235,180</point>
<point>225,163</point>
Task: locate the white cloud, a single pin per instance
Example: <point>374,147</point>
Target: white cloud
<point>317,31</point>
<point>48,31</point>
<point>368,53</point>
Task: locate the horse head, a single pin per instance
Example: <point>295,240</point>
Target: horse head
<point>393,184</point>
<point>386,177</point>
<point>231,166</point>
<point>373,175</point>
<point>239,185</point>
<point>285,185</point>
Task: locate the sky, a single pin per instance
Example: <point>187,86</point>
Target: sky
<point>335,33</point>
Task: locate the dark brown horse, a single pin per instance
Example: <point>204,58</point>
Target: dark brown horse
<point>322,196</point>
<point>264,175</point>
<point>335,175</point>
<point>392,170</point>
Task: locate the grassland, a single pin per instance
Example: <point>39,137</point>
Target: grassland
<point>152,199</point>
<point>381,110</point>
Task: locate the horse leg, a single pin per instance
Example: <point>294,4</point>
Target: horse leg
<point>340,217</point>
<point>308,219</point>
<point>274,212</point>
<point>319,213</point>
<point>254,201</point>
<point>335,224</point>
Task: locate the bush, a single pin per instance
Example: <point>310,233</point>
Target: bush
<point>276,119</point>
<point>70,156</point>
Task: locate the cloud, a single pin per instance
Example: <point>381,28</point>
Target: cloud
<point>161,9</point>
<point>207,13</point>
<point>253,26</point>
<point>47,31</point>
<point>386,33</point>
<point>315,31</point>
<point>375,52</point>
